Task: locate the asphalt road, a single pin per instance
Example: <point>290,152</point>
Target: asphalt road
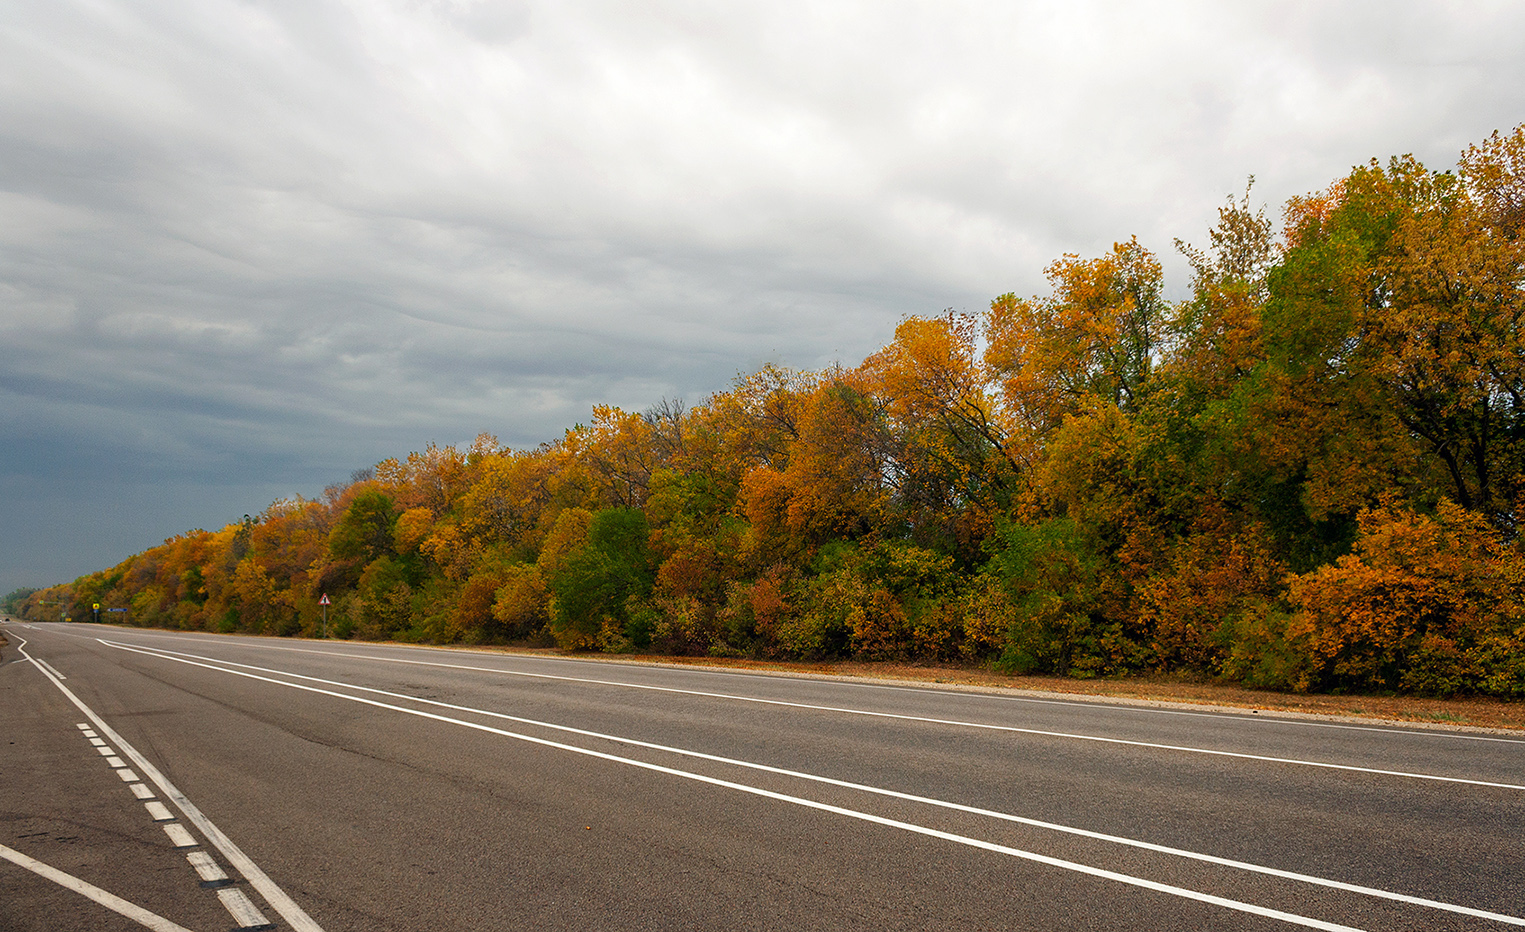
<point>344,787</point>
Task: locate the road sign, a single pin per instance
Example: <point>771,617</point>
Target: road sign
<point>324,600</point>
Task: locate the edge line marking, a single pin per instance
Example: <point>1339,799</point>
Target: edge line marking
<point>109,900</point>
<point>274,895</point>
<point>844,784</point>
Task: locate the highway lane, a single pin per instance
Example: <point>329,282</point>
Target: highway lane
<point>385,787</point>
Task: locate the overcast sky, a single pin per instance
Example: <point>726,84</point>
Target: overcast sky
<point>249,247</point>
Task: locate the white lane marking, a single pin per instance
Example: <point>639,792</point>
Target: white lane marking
<point>294,915</point>
<point>115,762</point>
<point>83,726</point>
<point>973,810</point>
<point>242,910</point>
<point>141,791</point>
<point>179,837</point>
<point>1012,729</point>
<point>96,742</point>
<point>106,751</point>
<point>109,900</point>
<point>1229,712</point>
<point>209,870</point>
<point>49,667</point>
<point>1128,879</point>
<point>158,811</point>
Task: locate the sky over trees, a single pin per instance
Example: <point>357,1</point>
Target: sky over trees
<point>1306,473</point>
<point>244,247</point>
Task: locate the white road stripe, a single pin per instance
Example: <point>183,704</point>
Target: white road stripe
<point>158,811</point>
<point>47,666</point>
<point>115,762</point>
<point>141,791</point>
<point>892,715</point>
<point>105,751</point>
<point>109,900</point>
<point>179,837</point>
<point>96,742</point>
<point>209,870</point>
<point>294,915</point>
<point>83,726</point>
<point>1075,867</point>
<point>1143,845</point>
<point>1234,713</point>
<point>242,910</point>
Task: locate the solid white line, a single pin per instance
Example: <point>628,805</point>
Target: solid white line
<point>1230,713</point>
<point>158,811</point>
<point>1115,839</point>
<point>141,791</point>
<point>294,915</point>
<point>1238,755</point>
<point>179,837</point>
<point>807,803</point>
<point>109,900</point>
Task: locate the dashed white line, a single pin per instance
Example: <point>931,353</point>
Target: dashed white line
<point>179,837</point>
<point>1240,865</point>
<point>159,812</point>
<point>211,873</point>
<point>278,899</point>
<point>96,742</point>
<point>47,666</point>
<point>141,791</point>
<point>115,762</point>
<point>243,911</point>
<point>104,750</point>
<point>1076,867</point>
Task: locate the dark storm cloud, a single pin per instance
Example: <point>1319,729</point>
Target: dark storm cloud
<point>246,248</point>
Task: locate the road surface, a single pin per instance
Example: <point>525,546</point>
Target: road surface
<point>188,781</point>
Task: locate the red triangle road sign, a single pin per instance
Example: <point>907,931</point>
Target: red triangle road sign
<point>324,600</point>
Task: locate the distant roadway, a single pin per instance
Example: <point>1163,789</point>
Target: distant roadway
<point>177,781</point>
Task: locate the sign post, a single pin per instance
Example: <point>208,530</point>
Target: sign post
<point>324,602</point>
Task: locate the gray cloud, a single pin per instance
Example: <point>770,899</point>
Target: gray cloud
<point>246,248</point>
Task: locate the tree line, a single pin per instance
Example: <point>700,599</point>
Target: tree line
<point>1307,475</point>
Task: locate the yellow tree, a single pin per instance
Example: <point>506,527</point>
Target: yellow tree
<point>1095,337</point>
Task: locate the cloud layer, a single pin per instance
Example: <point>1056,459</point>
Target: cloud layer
<point>246,248</point>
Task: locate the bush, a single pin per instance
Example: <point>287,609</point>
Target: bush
<point>1418,606</point>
